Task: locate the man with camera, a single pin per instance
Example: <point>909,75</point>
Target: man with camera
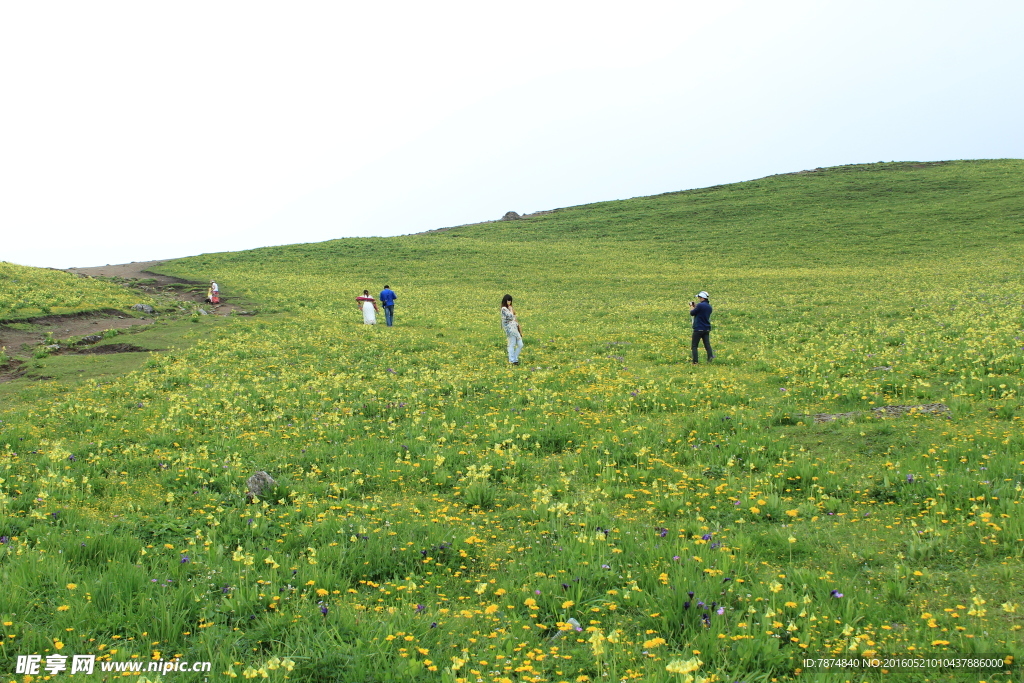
<point>701,313</point>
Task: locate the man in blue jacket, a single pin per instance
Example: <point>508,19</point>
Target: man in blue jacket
<point>387,299</point>
<point>701,313</point>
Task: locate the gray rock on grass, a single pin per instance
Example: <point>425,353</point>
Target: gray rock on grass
<point>258,484</point>
<point>144,308</point>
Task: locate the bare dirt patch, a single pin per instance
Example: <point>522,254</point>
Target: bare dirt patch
<point>138,276</point>
<point>12,369</point>
<point>940,409</point>
<point>34,331</point>
<point>115,348</point>
<point>137,270</point>
<point>926,409</point>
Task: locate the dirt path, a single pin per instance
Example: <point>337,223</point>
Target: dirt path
<point>164,284</point>
<point>136,270</point>
<point>34,331</point>
<point>22,338</point>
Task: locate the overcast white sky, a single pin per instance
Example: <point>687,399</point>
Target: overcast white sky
<point>132,131</point>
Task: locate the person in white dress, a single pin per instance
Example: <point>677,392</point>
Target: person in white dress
<point>368,305</point>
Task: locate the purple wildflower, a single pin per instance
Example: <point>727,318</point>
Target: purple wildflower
<point>185,559</point>
<point>835,593</point>
<point>720,611</point>
<point>707,537</point>
<point>4,540</point>
<point>420,608</point>
<point>910,478</point>
<point>323,609</point>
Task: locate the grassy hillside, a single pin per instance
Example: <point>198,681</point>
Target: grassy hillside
<point>28,292</point>
<point>605,511</point>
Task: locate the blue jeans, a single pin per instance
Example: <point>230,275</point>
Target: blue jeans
<point>389,314</point>
<point>515,345</point>
<point>698,336</point>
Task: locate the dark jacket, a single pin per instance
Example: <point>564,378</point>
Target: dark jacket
<point>701,316</point>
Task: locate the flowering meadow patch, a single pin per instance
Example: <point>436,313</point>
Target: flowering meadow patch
<point>27,292</point>
<point>604,511</point>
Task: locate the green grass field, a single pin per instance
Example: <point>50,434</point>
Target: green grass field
<point>606,510</point>
<point>29,292</point>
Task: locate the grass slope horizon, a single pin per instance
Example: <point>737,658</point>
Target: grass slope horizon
<point>606,511</point>
<point>831,217</point>
<point>791,207</point>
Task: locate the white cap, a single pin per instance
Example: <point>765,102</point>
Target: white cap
<point>703,295</point>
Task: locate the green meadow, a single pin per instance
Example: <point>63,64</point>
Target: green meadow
<point>605,511</point>
<point>27,292</point>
